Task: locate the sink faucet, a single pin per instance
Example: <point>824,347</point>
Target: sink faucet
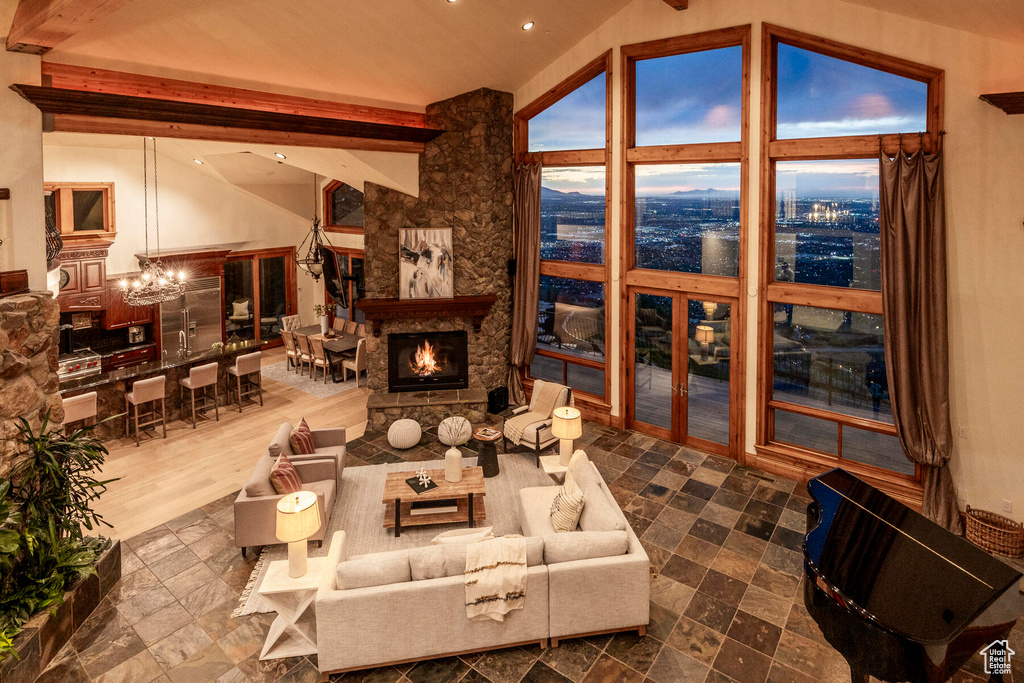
<point>182,344</point>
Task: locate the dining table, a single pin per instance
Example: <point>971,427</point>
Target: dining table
<point>335,346</point>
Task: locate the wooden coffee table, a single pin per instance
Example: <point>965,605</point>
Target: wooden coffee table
<point>466,496</point>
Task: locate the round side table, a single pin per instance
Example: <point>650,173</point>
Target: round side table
<point>487,454</point>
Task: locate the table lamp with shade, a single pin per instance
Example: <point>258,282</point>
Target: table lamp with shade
<point>566,425</point>
<point>705,335</point>
<point>298,518</point>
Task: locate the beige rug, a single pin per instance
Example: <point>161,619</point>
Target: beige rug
<point>360,512</point>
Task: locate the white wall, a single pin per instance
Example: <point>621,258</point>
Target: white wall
<point>985,205</point>
<point>21,167</point>
<point>196,209</point>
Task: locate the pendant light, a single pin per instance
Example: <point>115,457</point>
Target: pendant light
<point>154,284</point>
<point>312,259</point>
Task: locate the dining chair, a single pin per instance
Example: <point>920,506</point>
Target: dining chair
<point>319,357</point>
<point>338,325</point>
<point>350,327</point>
<point>361,329</point>
<point>305,356</point>
<point>357,364</point>
<point>290,351</point>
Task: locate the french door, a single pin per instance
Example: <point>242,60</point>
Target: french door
<point>259,290</point>
<point>681,384</point>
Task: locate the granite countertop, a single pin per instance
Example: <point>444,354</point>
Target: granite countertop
<point>124,349</point>
<point>158,366</point>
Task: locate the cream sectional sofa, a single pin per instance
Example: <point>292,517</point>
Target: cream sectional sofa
<point>408,605</point>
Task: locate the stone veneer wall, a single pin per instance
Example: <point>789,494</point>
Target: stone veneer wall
<point>465,184</point>
<point>29,342</point>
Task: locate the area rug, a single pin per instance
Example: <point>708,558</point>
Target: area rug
<point>360,513</point>
<point>279,372</point>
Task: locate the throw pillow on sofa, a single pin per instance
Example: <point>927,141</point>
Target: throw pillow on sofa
<point>301,439</point>
<point>427,562</point>
<point>375,569</point>
<point>284,477</point>
<point>567,506</point>
<point>584,545</point>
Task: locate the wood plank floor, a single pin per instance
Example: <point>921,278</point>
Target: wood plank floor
<point>162,479</point>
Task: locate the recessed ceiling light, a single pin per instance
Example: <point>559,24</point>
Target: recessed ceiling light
<point>451,0</point>
<point>198,162</point>
<point>527,26</point>
<point>279,155</point>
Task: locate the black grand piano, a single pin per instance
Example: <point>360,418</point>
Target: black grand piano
<point>901,598</point>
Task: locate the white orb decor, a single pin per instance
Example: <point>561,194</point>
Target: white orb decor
<point>454,431</point>
<point>404,434</point>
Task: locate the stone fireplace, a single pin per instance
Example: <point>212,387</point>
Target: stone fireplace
<point>427,361</point>
<point>466,185</point>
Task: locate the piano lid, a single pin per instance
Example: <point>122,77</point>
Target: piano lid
<point>911,575</point>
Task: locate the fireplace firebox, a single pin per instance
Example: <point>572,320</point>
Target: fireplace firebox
<point>421,361</point>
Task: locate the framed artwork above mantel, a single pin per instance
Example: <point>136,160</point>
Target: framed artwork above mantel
<point>425,263</point>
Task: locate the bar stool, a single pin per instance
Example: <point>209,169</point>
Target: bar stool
<point>82,407</point>
<point>145,391</point>
<point>201,377</point>
<point>245,367</point>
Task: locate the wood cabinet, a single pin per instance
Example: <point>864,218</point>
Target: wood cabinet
<point>119,314</point>
<point>126,359</point>
<point>85,276</point>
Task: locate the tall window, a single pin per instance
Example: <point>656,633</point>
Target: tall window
<point>567,130</point>
<point>828,107</point>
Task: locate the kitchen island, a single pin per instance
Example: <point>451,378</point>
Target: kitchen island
<point>111,386</point>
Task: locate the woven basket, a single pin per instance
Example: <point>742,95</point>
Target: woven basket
<point>994,533</point>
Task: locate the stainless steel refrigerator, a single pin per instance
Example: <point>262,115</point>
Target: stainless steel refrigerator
<point>192,324</point>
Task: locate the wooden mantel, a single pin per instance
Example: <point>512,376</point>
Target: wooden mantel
<point>379,310</point>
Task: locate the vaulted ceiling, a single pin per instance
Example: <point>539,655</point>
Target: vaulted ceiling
<point>405,52</point>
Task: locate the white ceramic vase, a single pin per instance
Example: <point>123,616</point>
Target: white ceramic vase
<point>323,325</point>
<point>453,464</point>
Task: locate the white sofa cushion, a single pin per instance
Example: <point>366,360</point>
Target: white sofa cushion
<point>375,569</point>
<point>584,545</point>
<point>435,561</point>
<point>601,512</point>
<point>535,510</point>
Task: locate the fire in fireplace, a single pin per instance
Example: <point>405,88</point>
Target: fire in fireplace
<point>418,361</point>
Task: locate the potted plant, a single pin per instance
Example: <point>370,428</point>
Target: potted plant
<point>321,311</point>
<point>44,508</point>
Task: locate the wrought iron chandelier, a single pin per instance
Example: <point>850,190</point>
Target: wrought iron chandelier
<point>312,259</point>
<point>154,284</point>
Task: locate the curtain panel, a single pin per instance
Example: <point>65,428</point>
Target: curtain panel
<point>526,288</point>
<point>913,235</point>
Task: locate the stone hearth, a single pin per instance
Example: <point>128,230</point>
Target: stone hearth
<point>465,185</point>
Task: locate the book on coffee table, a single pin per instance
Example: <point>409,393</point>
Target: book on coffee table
<point>415,485</point>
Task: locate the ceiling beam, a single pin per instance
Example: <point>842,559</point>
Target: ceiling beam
<point>122,83</point>
<point>678,4</point>
<point>129,113</point>
<point>40,25</point>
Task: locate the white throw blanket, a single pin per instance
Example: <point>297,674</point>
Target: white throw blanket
<point>495,578</point>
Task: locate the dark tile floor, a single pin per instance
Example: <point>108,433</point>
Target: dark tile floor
<point>725,601</point>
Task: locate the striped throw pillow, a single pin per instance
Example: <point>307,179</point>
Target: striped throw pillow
<point>567,507</point>
<point>301,439</point>
<point>283,476</point>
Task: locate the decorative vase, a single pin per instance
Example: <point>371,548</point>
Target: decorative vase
<point>323,325</point>
<point>453,465</point>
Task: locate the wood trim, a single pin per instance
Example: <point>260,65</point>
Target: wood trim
<point>765,234</point>
<point>90,79</point>
<point>832,416</point>
<point>593,272</point>
<point>856,300</point>
<point>573,157</point>
<point>52,100</point>
<point>569,358</point>
<point>593,408</point>
<point>796,464</point>
<point>678,4</point>
<point>40,25</point>
<point>673,154</point>
<point>71,123</point>
<point>706,285</point>
<point>474,307</point>
<point>582,75</point>
<point>1009,102</point>
<point>850,147</point>
<point>694,42</point>
<point>852,53</point>
<point>5,193</point>
<point>329,225</point>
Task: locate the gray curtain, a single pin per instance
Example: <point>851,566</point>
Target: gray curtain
<point>526,288</point>
<point>913,233</point>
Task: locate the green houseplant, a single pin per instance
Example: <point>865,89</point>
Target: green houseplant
<point>45,509</point>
